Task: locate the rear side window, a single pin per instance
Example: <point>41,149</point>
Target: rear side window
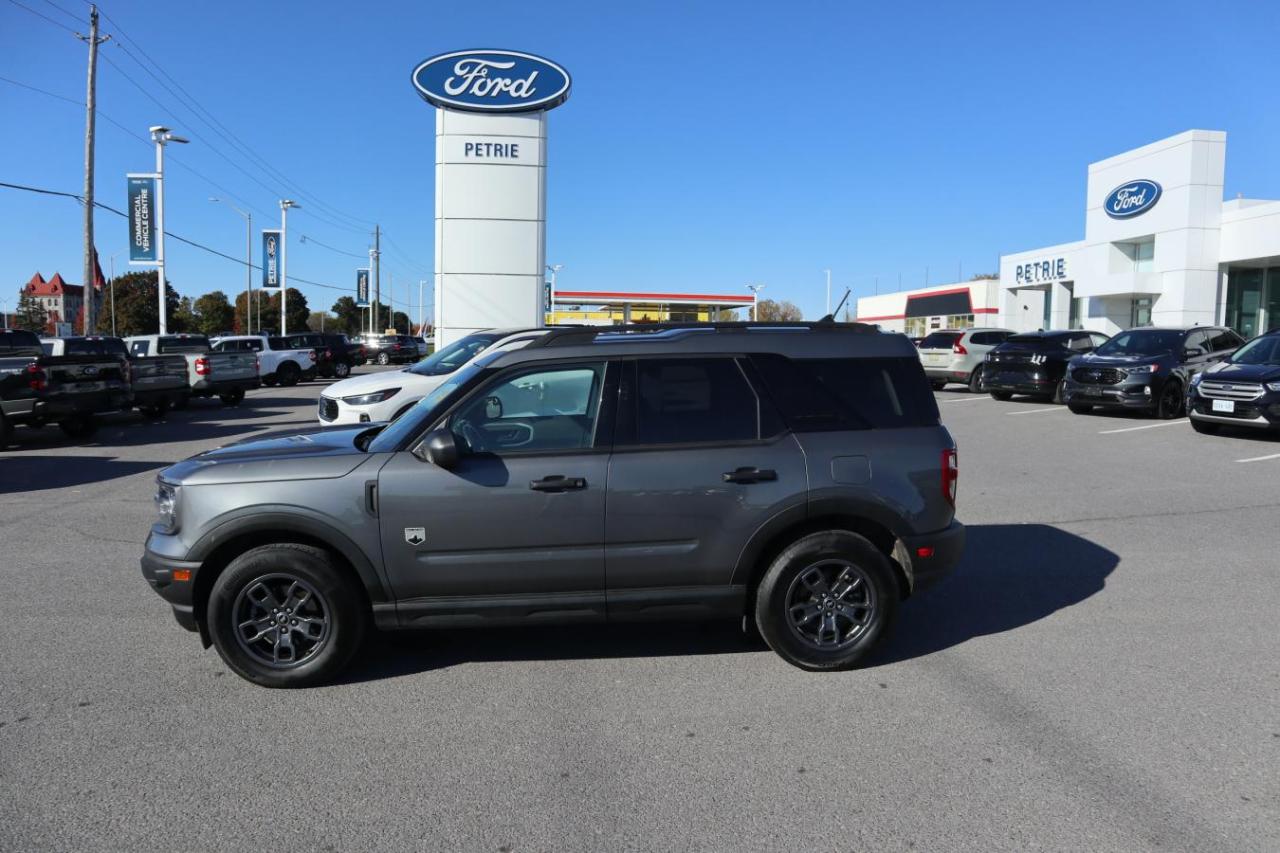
<point>682,401</point>
<point>139,347</point>
<point>940,340</point>
<point>21,340</point>
<point>816,395</point>
<point>1223,339</point>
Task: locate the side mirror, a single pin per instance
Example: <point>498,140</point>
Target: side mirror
<point>442,449</point>
<point>492,408</point>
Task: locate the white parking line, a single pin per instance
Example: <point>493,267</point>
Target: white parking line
<point>1040,411</point>
<point>969,400</point>
<point>1144,426</point>
<point>1260,458</point>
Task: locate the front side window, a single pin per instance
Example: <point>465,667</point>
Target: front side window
<point>696,400</point>
<point>139,347</point>
<point>544,410</point>
<point>1264,350</point>
<point>1197,343</point>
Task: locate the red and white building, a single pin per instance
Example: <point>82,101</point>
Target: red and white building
<point>63,302</point>
<point>946,306</point>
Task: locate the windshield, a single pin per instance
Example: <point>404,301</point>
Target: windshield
<point>456,354</point>
<point>1142,342</point>
<point>1039,341</point>
<point>940,340</point>
<point>424,410</point>
<point>1264,350</point>
<point>183,343</point>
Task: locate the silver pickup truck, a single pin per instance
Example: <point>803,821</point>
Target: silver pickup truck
<point>226,375</point>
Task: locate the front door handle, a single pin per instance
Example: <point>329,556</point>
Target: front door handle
<point>558,483</point>
<point>750,475</point>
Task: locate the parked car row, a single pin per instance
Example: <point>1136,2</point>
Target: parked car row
<point>1206,372</point>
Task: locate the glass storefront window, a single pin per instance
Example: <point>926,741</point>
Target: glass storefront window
<point>1272,318</point>
<point>1245,289</point>
<point>1140,311</point>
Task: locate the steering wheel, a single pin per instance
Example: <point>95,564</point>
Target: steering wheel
<point>472,436</point>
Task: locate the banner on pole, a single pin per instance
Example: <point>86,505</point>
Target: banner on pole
<point>142,218</point>
<point>362,288</point>
<point>270,259</point>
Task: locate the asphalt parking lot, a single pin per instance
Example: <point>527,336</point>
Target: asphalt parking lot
<point>1102,672</point>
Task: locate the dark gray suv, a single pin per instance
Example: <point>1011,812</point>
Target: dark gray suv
<point>795,476</point>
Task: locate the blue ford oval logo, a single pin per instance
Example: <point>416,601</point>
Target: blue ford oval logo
<point>491,81</point>
<point>1131,199</point>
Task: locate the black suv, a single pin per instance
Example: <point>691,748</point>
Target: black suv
<point>1146,369</point>
<point>391,349</point>
<point>1035,362</point>
<point>1243,390</point>
<point>335,355</point>
<point>617,474</point>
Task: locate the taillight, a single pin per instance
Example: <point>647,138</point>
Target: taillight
<point>202,366</point>
<point>328,353</point>
<point>950,473</point>
<point>36,378</point>
<point>312,355</point>
<point>128,371</point>
<point>257,364</point>
<point>958,349</point>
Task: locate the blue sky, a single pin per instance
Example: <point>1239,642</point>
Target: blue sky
<point>704,146</point>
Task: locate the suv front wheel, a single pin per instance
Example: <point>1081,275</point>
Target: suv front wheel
<point>285,616</point>
<point>826,600</point>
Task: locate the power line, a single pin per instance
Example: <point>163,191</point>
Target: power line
<point>42,15</point>
<point>71,15</point>
<point>309,239</point>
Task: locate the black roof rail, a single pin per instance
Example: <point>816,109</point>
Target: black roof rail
<point>577,335</point>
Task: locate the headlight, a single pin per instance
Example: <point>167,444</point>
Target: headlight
<point>370,399</point>
<point>166,501</point>
<point>1143,369</point>
<point>1273,386</point>
<point>1195,380</point>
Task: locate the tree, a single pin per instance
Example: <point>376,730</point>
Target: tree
<point>769,310</point>
<point>32,315</point>
<point>319,321</point>
<point>214,313</point>
<point>348,317</point>
<point>136,310</point>
<point>299,312</point>
<point>985,276</point>
<point>240,321</point>
<point>184,316</point>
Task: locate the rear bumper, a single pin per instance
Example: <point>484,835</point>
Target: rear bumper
<point>933,555</point>
<point>23,410</point>
<point>214,387</point>
<point>158,572</point>
<point>66,405</point>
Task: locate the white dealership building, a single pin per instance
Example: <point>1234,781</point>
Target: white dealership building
<point>1160,247</point>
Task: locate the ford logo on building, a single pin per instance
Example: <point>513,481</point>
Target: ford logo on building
<point>491,81</point>
<point>1132,199</point>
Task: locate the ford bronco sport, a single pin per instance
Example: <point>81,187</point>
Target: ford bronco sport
<point>795,476</point>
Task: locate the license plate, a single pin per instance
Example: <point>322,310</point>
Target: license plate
<point>935,359</point>
<point>1092,391</point>
<point>1224,405</point>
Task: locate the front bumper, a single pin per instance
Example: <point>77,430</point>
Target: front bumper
<point>1136,394</point>
<point>158,571</point>
<point>931,557</point>
<point>1260,413</point>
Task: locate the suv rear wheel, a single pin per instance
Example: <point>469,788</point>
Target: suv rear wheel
<point>285,616</point>
<point>383,358</point>
<point>977,380</point>
<point>341,369</point>
<point>826,600</point>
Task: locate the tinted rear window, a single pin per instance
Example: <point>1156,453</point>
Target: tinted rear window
<point>1040,341</point>
<point>105,346</point>
<point>848,393</point>
<point>21,340</point>
<point>183,343</point>
<point>940,340</point>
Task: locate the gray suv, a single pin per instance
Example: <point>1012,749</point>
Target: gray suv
<point>794,476</point>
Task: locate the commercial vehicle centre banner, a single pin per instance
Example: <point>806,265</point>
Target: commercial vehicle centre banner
<point>362,288</point>
<point>270,259</point>
<point>142,211</point>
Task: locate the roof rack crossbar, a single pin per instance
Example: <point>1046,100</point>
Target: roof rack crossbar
<point>573,336</point>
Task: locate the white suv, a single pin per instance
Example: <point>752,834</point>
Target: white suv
<point>957,355</point>
<point>388,394</point>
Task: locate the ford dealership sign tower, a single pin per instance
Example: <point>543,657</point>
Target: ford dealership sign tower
<point>491,188</point>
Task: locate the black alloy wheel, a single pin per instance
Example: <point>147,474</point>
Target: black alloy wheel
<point>232,398</point>
<point>1169,404</point>
<point>977,380</point>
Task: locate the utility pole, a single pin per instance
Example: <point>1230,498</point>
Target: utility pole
<point>90,114</point>
<point>391,301</point>
<point>421,327</point>
<point>377,276</point>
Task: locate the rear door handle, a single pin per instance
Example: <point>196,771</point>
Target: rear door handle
<point>558,483</point>
<point>750,475</point>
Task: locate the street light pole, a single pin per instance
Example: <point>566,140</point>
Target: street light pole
<point>248,265</point>
<point>113,295</point>
<point>755,301</point>
<point>551,309</point>
<point>285,204</point>
<point>161,135</point>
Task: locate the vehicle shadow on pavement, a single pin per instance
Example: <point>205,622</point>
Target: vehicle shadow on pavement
<point>30,473</point>
<point>1010,575</point>
<point>396,653</point>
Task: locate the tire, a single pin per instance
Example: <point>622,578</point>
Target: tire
<point>6,431</point>
<point>328,602</point>
<point>1002,396</point>
<point>156,411</point>
<point>1079,408</point>
<point>383,358</point>
<point>270,383</point>
<point>181,403</point>
<point>1170,403</point>
<point>977,381</point>
<point>341,370</point>
<point>1205,428</point>
<point>82,426</point>
<point>232,398</point>
<point>796,579</point>
<point>287,374</point>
